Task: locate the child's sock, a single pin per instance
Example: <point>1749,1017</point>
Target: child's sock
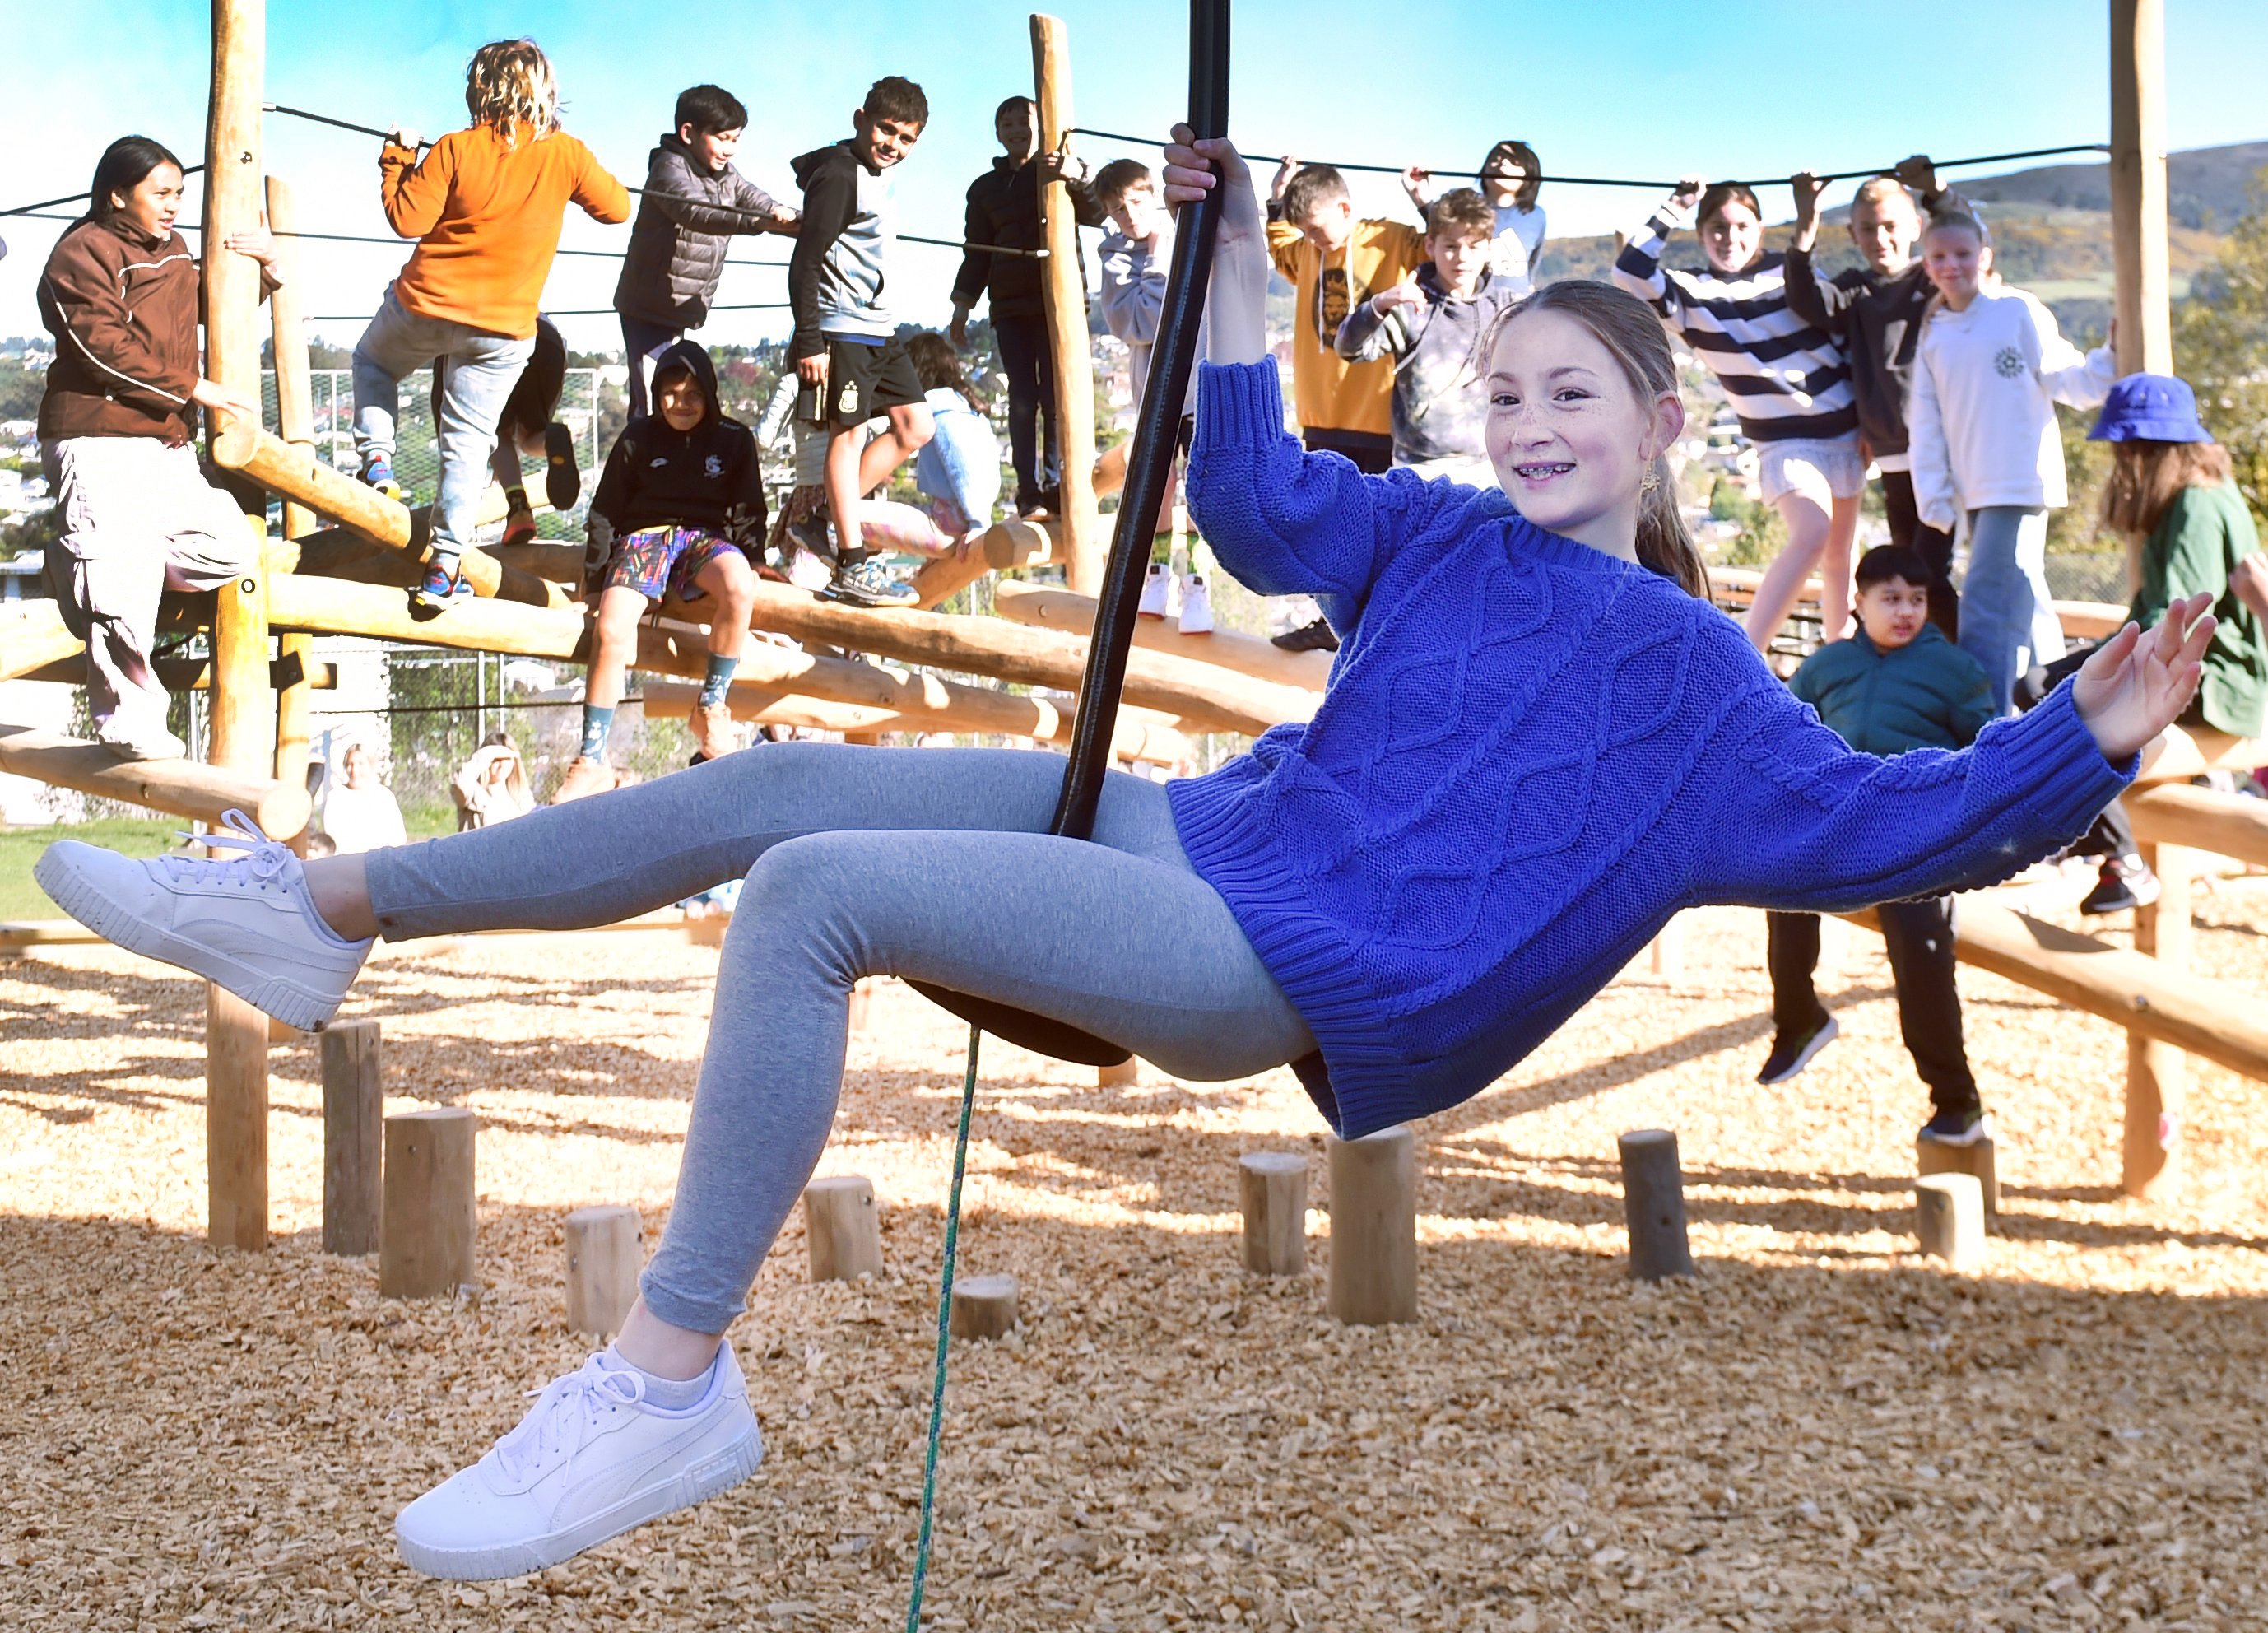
<point>597,722</point>
<point>515,496</point>
<point>718,678</point>
<point>670,1394</point>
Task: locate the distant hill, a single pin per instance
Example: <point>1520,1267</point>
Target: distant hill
<point>2207,187</point>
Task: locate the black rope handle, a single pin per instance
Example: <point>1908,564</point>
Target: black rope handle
<point>72,198</point>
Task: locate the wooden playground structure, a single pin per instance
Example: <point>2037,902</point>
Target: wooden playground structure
<point>344,552</point>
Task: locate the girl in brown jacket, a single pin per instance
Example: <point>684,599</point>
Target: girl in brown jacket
<point>120,295</point>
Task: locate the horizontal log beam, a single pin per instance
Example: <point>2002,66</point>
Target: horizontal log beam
<point>1004,545</point>
<point>196,674</point>
<point>2084,619</point>
<point>48,932</point>
<point>184,788</point>
<point>1043,607</point>
<point>34,640</point>
<point>2192,1012</point>
<point>1202,695</point>
<point>2182,752</point>
<point>2226,825</point>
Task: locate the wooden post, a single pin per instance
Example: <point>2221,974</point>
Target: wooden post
<point>2157,1073</point>
<point>425,1234</point>
<point>354,1137</point>
<point>1667,951</point>
<point>1951,1224</point>
<point>1126,1072</point>
<point>603,1259</point>
<point>2138,185</point>
<point>1064,284</point>
<point>1654,1204</point>
<point>862,1005</point>
<point>984,1306</point>
<point>842,1229</point>
<point>295,422</point>
<point>1374,1273</point>
<point>1272,1186</point>
<point>1981,1161</point>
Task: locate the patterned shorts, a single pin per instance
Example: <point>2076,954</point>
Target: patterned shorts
<point>658,560</point>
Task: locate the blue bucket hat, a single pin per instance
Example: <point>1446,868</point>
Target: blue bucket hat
<point>2156,408</point>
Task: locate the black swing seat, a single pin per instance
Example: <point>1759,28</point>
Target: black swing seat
<point>1027,1030</point>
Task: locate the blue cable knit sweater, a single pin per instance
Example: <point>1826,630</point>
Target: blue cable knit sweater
<point>1531,755</point>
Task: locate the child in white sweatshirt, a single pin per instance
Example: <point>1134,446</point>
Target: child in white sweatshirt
<point>1990,369</point>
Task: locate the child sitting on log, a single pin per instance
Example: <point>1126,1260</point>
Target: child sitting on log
<point>121,295</point>
<point>1898,685</point>
<point>485,204</point>
<point>1541,742</point>
<point>679,510</point>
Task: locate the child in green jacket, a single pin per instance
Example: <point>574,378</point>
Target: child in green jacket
<point>1898,685</point>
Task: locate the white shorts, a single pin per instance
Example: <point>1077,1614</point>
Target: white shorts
<point>1822,470</point>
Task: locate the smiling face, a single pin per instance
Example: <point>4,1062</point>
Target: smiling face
<point>1892,612</point>
<point>711,149</point>
<point>153,204</point>
<point>1571,436</point>
<point>1732,236</point>
<point>883,142</point>
<point>1017,127</point>
<point>1957,258</point>
<point>678,395</point>
<point>1884,227</point>
<point>1501,177</point>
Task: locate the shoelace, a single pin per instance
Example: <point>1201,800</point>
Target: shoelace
<point>263,864</point>
<point>565,1408</point>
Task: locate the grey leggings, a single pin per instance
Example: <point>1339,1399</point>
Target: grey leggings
<point>933,864</point>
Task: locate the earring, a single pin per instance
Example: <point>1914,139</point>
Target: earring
<point>1653,483</point>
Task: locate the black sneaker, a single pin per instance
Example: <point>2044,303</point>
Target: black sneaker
<point>563,478</point>
<point>1957,1125</point>
<point>868,583</point>
<point>1316,636</point>
<point>1791,1052</point>
<point>2126,882</point>
<point>810,533</point>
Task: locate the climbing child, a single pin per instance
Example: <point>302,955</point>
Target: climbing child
<point>121,295</point>
<point>680,509</point>
<point>1987,453</point>
<point>691,205</point>
<point>1430,324</point>
<point>958,469</point>
<point>485,204</point>
<point>1510,180</point>
<point>1790,384</point>
<point>843,349</point>
<point>1898,685</point>
<point>1402,904</point>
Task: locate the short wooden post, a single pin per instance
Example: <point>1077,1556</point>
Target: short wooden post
<point>354,1137</point>
<point>2137,186</point>
<point>1951,1209</point>
<point>1272,1186</point>
<point>603,1260</point>
<point>1373,1270</point>
<point>425,1234</point>
<point>1666,954</point>
<point>1981,1161</point>
<point>1063,284</point>
<point>1654,1204</point>
<point>841,1228</point>
<point>984,1306</point>
<point>707,929</point>
<point>1126,1072</point>
<point>236,1122</point>
<point>862,1005</point>
<point>2157,1073</point>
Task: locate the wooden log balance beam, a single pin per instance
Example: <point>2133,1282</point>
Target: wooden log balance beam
<point>2226,825</point>
<point>1040,606</point>
<point>1004,546</point>
<point>2182,752</point>
<point>2191,1012</point>
<point>34,640</point>
<point>184,788</point>
<point>293,470</point>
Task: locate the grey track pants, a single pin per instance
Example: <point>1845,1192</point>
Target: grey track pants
<point>930,864</point>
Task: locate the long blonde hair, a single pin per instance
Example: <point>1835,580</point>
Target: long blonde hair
<point>509,85</point>
<point>1628,329</point>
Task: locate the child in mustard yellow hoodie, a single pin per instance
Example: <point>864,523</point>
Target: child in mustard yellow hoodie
<point>486,203</point>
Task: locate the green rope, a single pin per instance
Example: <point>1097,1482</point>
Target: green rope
<point>944,1336</point>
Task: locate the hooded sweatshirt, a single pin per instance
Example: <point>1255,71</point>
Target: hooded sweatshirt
<point>1327,392</point>
<point>685,224</point>
<point>835,278</point>
<point>707,478</point>
<point>1439,410</point>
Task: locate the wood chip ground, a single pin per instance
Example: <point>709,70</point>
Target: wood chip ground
<point>1821,1431</point>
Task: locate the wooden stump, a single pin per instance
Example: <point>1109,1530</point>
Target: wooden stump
<point>1373,1271</point>
<point>842,1229</point>
<point>1654,1204</point>
<point>1952,1218</point>
<point>426,1235</point>
<point>1126,1072</point>
<point>603,1260</point>
<point>984,1306</point>
<point>1980,1161</point>
<point>862,1005</point>
<point>1273,1187</point>
<point>708,929</point>
<point>354,1137</point>
<point>1667,952</point>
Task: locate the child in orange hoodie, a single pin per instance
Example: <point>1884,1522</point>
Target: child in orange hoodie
<point>486,203</point>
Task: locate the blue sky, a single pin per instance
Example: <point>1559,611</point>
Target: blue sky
<point>1622,89</point>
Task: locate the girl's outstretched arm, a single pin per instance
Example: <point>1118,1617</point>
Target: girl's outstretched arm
<point>1802,822</point>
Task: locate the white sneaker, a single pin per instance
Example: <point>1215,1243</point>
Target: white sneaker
<point>807,572</point>
<point>1155,588</point>
<point>591,1459</point>
<point>150,742</point>
<point>1197,605</point>
<point>247,924</point>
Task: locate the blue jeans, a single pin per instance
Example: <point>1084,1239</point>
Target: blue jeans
<point>933,864</point>
<point>2008,620</point>
<point>642,344</point>
<point>474,374</point>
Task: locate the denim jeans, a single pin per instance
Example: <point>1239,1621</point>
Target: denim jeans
<point>474,374</point>
<point>642,344</point>
<point>2008,620</point>
<point>960,463</point>
<point>1031,370</point>
<point>933,864</point>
